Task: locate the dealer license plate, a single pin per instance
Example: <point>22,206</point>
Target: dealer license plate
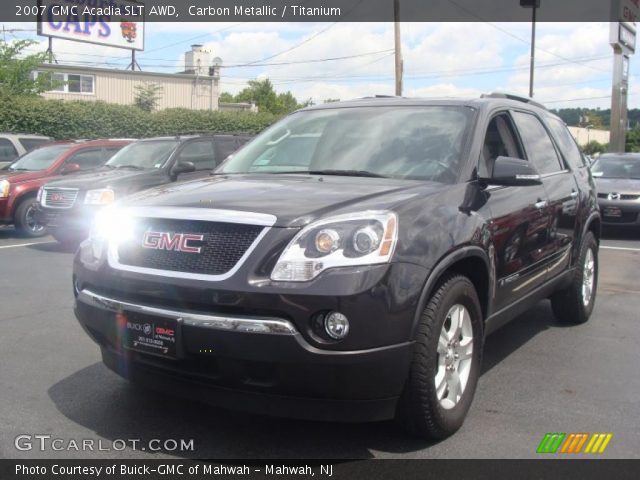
<point>149,334</point>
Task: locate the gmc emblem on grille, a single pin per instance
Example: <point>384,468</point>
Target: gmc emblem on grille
<point>178,242</point>
<point>56,197</point>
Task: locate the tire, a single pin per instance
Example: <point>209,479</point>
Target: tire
<point>420,411</point>
<point>65,238</point>
<point>24,221</point>
<point>569,305</point>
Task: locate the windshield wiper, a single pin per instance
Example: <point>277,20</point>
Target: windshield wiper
<point>342,173</point>
<point>19,169</point>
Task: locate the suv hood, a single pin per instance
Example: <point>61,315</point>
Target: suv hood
<point>98,178</point>
<point>20,176</point>
<point>617,185</point>
<point>295,200</point>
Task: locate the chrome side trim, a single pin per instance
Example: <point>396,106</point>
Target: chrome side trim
<point>260,325</point>
<point>204,214</point>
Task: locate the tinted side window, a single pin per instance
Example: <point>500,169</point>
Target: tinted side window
<point>200,153</point>
<point>111,151</point>
<point>88,159</point>
<point>225,147</point>
<point>31,143</point>
<point>7,151</point>
<point>537,143</point>
<point>567,143</point>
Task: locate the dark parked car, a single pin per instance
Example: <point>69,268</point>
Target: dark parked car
<point>20,181</point>
<point>353,281</point>
<point>68,206</point>
<point>617,177</point>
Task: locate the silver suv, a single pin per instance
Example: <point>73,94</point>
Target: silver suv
<point>14,145</point>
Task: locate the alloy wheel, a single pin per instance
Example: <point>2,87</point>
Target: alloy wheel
<point>455,355</point>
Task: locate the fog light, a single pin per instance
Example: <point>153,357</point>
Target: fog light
<point>336,325</point>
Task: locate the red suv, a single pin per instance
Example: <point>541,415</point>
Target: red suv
<point>20,182</point>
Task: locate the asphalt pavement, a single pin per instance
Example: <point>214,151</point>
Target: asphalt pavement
<point>538,376</point>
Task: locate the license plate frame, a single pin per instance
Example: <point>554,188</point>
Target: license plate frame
<point>150,334</point>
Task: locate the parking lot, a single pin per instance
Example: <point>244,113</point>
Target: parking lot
<point>538,376</point>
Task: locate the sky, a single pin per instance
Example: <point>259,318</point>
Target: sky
<point>574,61</point>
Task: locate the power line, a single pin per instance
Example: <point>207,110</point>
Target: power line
<point>296,62</point>
<point>307,40</point>
<point>506,32</point>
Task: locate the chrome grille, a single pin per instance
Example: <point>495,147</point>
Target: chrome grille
<point>221,248</point>
<point>623,196</point>
<point>59,197</point>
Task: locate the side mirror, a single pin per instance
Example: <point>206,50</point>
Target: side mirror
<point>70,168</point>
<point>513,172</point>
<point>182,167</point>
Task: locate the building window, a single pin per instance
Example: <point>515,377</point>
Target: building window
<point>71,83</point>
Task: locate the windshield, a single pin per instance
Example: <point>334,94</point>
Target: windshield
<point>398,142</point>
<point>617,167</point>
<point>39,159</point>
<point>144,155</point>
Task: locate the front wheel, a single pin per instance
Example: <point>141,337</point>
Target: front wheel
<point>575,303</point>
<point>25,219</point>
<point>66,238</point>
<point>446,362</point>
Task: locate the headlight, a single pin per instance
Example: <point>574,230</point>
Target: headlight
<point>4,188</point>
<point>102,196</point>
<point>344,241</point>
<point>111,226</point>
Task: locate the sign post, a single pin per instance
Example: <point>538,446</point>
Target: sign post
<point>623,41</point>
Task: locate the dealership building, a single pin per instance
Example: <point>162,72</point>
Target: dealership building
<point>195,88</point>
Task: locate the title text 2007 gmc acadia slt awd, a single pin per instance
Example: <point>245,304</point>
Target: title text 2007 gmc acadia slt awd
<point>348,263</point>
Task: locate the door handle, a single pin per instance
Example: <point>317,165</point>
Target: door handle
<point>541,204</point>
<point>574,194</point>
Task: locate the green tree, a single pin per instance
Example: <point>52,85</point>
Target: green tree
<point>632,143</point>
<point>17,70</point>
<point>262,94</point>
<point>226,97</point>
<point>594,147</point>
<point>147,96</point>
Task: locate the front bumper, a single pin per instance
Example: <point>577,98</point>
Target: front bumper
<point>253,363</point>
<point>6,215</point>
<point>630,212</point>
<point>76,220</point>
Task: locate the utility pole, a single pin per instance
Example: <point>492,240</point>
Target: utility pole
<point>622,38</point>
<point>398,47</point>
<point>533,5</point>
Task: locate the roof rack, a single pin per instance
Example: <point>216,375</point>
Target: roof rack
<point>511,96</point>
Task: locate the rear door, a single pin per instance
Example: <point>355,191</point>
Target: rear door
<point>519,219</point>
<point>560,186</point>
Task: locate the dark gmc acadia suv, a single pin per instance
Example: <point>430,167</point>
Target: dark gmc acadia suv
<point>348,263</point>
